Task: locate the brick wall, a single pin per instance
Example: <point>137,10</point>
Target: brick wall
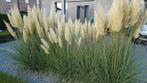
<point>23,5</point>
<point>6,6</point>
<point>72,6</point>
<point>72,9</point>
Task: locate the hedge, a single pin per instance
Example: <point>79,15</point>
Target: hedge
<point>4,17</point>
<point>2,24</point>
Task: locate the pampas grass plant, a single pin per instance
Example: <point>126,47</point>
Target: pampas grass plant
<point>81,52</point>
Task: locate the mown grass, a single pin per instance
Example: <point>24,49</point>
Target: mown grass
<point>4,33</point>
<point>4,78</point>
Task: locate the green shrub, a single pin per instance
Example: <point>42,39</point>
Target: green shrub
<point>30,55</point>
<point>4,78</point>
<point>109,61</point>
<point>5,17</point>
<point>2,24</point>
<point>80,52</point>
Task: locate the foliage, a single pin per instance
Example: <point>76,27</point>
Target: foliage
<point>2,24</point>
<point>80,52</point>
<point>30,55</point>
<point>109,61</point>
<point>5,17</point>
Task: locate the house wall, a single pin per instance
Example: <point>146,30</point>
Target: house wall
<point>72,6</point>
<point>23,6</point>
<point>72,9</point>
<point>46,4</point>
<point>6,6</point>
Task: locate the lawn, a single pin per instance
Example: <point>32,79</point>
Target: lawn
<point>4,33</point>
<point>4,78</point>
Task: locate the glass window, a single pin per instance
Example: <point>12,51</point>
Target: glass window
<point>78,12</point>
<point>26,1</point>
<point>8,0</point>
<point>145,3</point>
<point>59,5</point>
<point>86,7</point>
<point>38,2</point>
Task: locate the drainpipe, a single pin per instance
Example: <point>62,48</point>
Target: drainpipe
<point>65,9</point>
<point>18,4</point>
<point>40,3</point>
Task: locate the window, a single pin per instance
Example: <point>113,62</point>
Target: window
<point>78,12</point>
<point>8,0</point>
<point>145,3</point>
<point>38,2</point>
<point>26,1</point>
<point>58,6</point>
<point>82,12</point>
<point>86,7</point>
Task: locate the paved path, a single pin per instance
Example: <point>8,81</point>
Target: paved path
<point>9,66</point>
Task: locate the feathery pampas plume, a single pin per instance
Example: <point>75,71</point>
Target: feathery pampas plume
<point>115,16</point>
<point>25,35</point>
<point>49,37</point>
<point>60,41</point>
<point>30,21</point>
<point>71,25</point>
<point>136,10</point>
<point>100,21</point>
<point>122,14</point>
<point>45,43</point>
<point>53,35</point>
<point>60,26</point>
<point>45,46</point>
<point>79,42</point>
<point>67,34</point>
<point>126,9</point>
<point>39,29</point>
<point>77,27</point>
<point>9,28</point>
<point>137,16</point>
<point>15,18</point>
<point>45,49</point>
<point>82,32</point>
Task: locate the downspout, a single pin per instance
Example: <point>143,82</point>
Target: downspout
<point>18,4</point>
<point>65,9</point>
